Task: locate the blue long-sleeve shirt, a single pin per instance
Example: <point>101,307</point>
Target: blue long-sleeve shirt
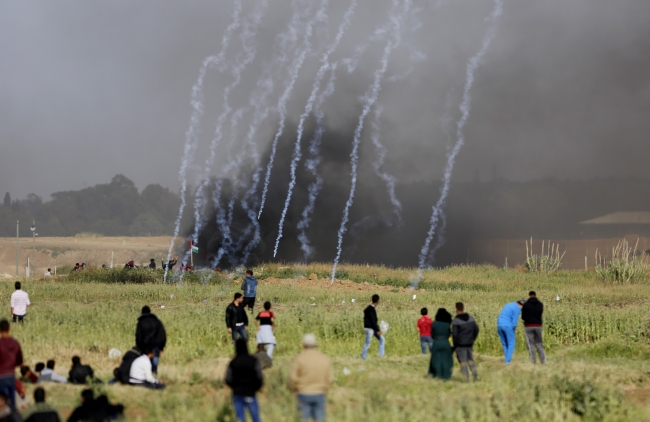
<point>509,316</point>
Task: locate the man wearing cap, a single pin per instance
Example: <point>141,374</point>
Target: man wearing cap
<point>531,314</point>
<point>311,378</point>
<point>506,325</point>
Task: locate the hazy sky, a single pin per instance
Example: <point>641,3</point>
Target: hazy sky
<point>94,88</point>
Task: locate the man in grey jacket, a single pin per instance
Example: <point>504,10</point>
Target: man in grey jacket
<point>464,332</point>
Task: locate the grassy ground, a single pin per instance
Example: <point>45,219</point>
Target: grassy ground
<point>596,335</point>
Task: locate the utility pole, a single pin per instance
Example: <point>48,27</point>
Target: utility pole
<point>17,236</point>
<point>33,229</point>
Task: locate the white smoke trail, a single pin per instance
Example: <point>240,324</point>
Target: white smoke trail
<point>320,16</point>
<point>369,100</point>
<point>191,136</point>
<point>465,109</point>
<point>347,18</point>
<point>248,33</point>
<point>388,179</point>
<point>312,164</point>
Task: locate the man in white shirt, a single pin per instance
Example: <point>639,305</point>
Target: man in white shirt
<point>19,303</point>
<point>48,374</point>
<point>48,273</point>
<point>141,374</point>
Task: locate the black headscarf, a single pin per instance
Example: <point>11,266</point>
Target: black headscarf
<point>443,316</point>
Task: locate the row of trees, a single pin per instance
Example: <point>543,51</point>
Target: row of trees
<point>111,209</point>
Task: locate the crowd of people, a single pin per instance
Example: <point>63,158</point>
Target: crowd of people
<point>311,371</point>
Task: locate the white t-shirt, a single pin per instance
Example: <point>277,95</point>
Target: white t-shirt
<point>141,371</point>
<point>47,274</point>
<point>19,301</point>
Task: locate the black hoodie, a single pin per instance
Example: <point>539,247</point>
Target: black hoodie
<point>244,374</point>
<point>464,330</point>
<point>532,312</point>
<point>150,333</point>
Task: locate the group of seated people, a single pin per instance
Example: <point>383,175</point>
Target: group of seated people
<point>78,267</point>
<point>44,372</point>
<point>136,369</point>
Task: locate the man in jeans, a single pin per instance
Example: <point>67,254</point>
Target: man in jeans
<point>11,356</point>
<point>244,376</point>
<point>249,286</point>
<point>531,314</point>
<point>236,318</point>
<point>464,332</point>
<point>424,327</point>
<point>371,328</point>
<point>311,378</point>
<point>150,334</point>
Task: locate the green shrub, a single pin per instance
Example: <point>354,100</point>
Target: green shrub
<point>625,266</point>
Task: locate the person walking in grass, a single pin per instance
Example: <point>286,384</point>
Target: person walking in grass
<point>249,286</point>
<point>464,332</point>
<point>150,334</point>
<point>265,335</point>
<point>531,314</point>
<point>506,326</point>
<point>11,356</point>
<point>236,318</point>
<point>424,326</point>
<point>19,303</point>
<point>371,328</point>
<point>244,377</point>
<point>40,411</point>
<point>310,380</point>
<point>441,355</point>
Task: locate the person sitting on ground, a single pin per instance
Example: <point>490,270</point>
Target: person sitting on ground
<point>124,370</point>
<point>265,334</point>
<point>152,264</point>
<point>244,377</point>
<point>38,368</point>
<point>129,265</point>
<point>263,357</point>
<point>80,374</point>
<point>7,414</point>
<point>48,374</point>
<point>48,273</point>
<point>83,266</point>
<point>27,376</point>
<point>77,267</point>
<point>21,396</point>
<point>141,374</point>
<point>40,411</point>
<point>95,409</point>
<point>310,380</point>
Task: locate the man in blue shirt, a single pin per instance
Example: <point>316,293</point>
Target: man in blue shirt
<point>506,325</point>
<point>249,286</point>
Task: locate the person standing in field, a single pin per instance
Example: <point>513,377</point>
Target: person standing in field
<point>150,334</point>
<point>531,314</point>
<point>506,326</point>
<point>441,355</point>
<point>11,356</point>
<point>310,380</point>
<point>236,318</point>
<point>244,377</point>
<point>371,328</point>
<point>464,333</point>
<point>265,335</point>
<point>152,264</point>
<point>19,303</point>
<point>249,286</point>
<point>424,326</point>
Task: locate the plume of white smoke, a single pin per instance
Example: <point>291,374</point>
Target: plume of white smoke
<point>247,36</point>
<point>191,136</point>
<point>396,20</point>
<point>347,18</point>
<point>319,16</point>
<point>388,179</point>
<point>460,139</point>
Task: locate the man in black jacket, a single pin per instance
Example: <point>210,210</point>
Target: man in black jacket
<point>236,318</point>
<point>371,328</point>
<point>150,335</point>
<point>80,374</point>
<point>244,376</point>
<point>531,314</point>
<point>464,332</point>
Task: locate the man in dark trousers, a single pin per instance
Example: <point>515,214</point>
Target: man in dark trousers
<point>464,332</point>
<point>249,286</point>
<point>150,335</point>
<point>11,356</point>
<point>244,376</point>
<point>80,374</point>
<point>236,318</point>
<point>371,328</point>
<point>531,314</point>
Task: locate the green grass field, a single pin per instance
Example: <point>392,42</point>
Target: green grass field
<point>596,338</point>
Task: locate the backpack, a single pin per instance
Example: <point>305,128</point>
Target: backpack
<point>124,371</point>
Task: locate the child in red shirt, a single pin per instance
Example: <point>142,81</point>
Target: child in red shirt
<point>424,326</point>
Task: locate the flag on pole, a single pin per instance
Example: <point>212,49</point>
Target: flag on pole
<point>195,249</point>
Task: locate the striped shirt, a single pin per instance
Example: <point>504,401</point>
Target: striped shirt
<point>19,302</point>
